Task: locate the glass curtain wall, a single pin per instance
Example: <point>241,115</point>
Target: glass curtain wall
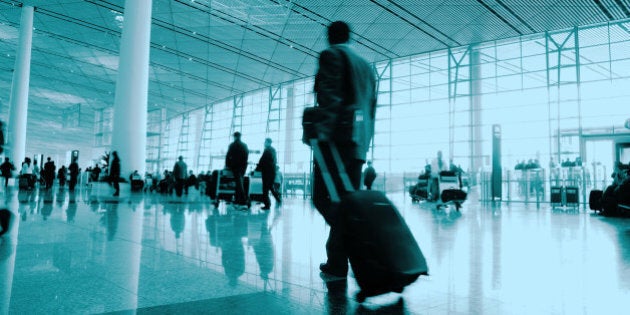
<point>547,91</point>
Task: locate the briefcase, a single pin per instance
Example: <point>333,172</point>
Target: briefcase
<point>311,116</point>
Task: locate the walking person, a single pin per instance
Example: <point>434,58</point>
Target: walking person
<point>180,173</point>
<point>62,175</point>
<point>49,173</point>
<point>236,161</point>
<point>267,166</point>
<point>114,173</point>
<point>74,170</point>
<point>6,170</point>
<point>345,87</point>
<point>369,175</point>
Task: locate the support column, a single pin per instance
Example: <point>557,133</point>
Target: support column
<point>19,89</point>
<point>288,136</point>
<point>476,140</point>
<point>129,134</point>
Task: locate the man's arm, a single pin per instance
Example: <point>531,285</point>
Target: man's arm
<point>329,89</point>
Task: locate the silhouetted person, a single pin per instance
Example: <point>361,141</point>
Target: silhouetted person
<point>192,181</point>
<point>114,173</point>
<point>73,168</point>
<point>345,86</point>
<point>180,174</point>
<point>96,172</point>
<point>62,175</point>
<point>6,170</point>
<point>369,175</point>
<point>49,173</point>
<point>236,161</point>
<point>267,166</point>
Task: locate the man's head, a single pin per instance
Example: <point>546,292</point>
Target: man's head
<point>237,136</point>
<point>181,158</point>
<point>338,33</point>
<point>6,159</point>
<point>267,142</point>
<point>369,163</point>
<point>48,159</point>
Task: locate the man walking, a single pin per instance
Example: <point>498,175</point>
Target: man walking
<point>345,85</point>
<point>267,166</point>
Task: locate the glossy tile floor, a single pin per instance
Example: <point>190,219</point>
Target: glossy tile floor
<point>92,253</point>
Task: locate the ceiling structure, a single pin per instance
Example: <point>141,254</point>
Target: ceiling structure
<point>207,50</point>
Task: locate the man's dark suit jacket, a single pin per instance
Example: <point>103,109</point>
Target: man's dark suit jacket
<point>345,85</point>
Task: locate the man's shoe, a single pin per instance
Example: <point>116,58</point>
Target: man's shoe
<point>326,268</point>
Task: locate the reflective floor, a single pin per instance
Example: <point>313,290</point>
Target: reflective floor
<point>91,253</point>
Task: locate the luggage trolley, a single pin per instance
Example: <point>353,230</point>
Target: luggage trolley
<point>253,187</point>
<point>420,191</point>
<point>450,190</point>
<point>224,186</point>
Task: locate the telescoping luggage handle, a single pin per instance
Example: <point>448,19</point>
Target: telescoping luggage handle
<point>326,175</point>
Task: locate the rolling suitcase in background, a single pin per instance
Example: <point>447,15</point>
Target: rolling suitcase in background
<point>383,253</point>
<point>571,197</point>
<point>555,196</point>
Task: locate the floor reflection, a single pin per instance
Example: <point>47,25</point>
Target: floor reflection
<point>149,251</point>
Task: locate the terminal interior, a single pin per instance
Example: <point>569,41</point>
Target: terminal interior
<point>527,101</point>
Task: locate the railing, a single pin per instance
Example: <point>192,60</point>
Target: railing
<point>534,185</point>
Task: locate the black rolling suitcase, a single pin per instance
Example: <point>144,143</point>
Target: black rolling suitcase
<point>371,222</point>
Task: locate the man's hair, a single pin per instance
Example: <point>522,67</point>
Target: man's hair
<point>338,32</point>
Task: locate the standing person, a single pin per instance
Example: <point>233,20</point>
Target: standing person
<point>369,175</point>
<point>345,87</point>
<point>96,172</point>
<point>267,166</point>
<point>5,170</point>
<point>236,161</point>
<point>114,173</point>
<point>62,175</point>
<point>49,173</point>
<point>74,170</point>
<point>27,172</point>
<point>277,185</point>
<point>180,174</point>
<point>36,171</point>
